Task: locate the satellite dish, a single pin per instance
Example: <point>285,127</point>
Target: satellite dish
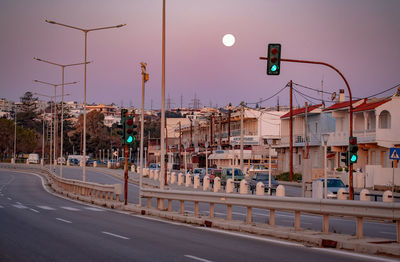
<point>333,96</point>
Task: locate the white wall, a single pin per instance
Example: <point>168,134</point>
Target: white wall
<point>379,176</point>
<point>389,137</point>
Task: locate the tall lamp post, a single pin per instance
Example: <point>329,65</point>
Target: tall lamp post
<point>325,138</point>
<point>85,31</point>
<point>145,78</point>
<point>55,96</point>
<point>269,141</point>
<point>206,145</point>
<point>62,102</point>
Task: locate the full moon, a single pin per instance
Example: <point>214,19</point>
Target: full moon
<point>228,40</point>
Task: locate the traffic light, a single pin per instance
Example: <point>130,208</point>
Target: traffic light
<point>344,157</point>
<point>130,131</point>
<point>274,59</point>
<point>353,149</point>
<point>121,126</point>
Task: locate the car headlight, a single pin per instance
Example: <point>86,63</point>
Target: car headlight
<point>330,194</point>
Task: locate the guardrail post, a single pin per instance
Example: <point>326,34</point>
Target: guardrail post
<point>211,210</point>
<point>229,212</point>
<point>181,207</point>
<point>280,191</point>
<point>248,216</point>
<point>359,227</point>
<point>196,208</point>
<point>297,220</point>
<point>325,224</point>
<point>169,205</point>
<point>272,217</point>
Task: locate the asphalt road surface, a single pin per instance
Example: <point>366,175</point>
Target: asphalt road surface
<point>39,226</point>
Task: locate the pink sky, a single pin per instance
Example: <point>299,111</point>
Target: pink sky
<point>360,37</point>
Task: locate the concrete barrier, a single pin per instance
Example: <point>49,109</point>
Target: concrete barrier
<point>342,194</point>
<point>156,175</point>
<point>217,184</point>
<point>12,160</point>
<point>387,196</point>
<point>27,162</point>
<point>108,164</point>
<point>188,180</point>
<point>196,181</point>
<point>180,179</point>
<point>94,163</point>
<point>42,162</point>
<point>280,191</point>
<point>244,187</point>
<point>173,178</point>
<point>151,176</point>
<point>260,189</point>
<point>229,185</point>
<point>364,195</point>
<point>206,183</point>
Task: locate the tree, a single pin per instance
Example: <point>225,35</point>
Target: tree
<point>27,115</point>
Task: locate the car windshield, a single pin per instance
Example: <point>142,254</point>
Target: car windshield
<point>198,171</point>
<point>335,183</point>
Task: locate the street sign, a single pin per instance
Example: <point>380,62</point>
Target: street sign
<point>394,153</point>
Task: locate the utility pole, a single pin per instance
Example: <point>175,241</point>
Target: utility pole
<point>229,126</point>
<point>241,136</point>
<point>145,78</point>
<point>291,134</point>
<point>220,130</point>
<point>180,144</point>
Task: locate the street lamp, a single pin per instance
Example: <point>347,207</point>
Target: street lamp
<point>62,102</point>
<point>269,141</point>
<point>206,145</point>
<point>85,31</point>
<point>325,138</point>
<point>145,78</point>
<point>186,147</point>
<point>55,96</point>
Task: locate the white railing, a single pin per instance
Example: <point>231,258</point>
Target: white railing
<point>77,187</point>
<point>324,207</point>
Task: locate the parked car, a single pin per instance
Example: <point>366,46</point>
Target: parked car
<point>333,186</point>
<point>73,162</point>
<point>34,158</point>
<point>264,178</point>
<point>155,166</point>
<point>227,173</point>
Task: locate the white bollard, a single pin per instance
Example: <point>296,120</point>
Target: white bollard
<point>280,191</point>
<point>168,177</point>
<point>342,194</point>
<point>81,163</point>
<point>387,196</point>
<point>108,164</point>
<point>188,180</point>
<point>229,185</point>
<point>151,176</point>
<point>260,189</point>
<point>196,182</point>
<point>180,179</point>
<point>27,162</point>
<point>206,183</point>
<point>173,178</point>
<point>42,162</point>
<point>217,184</point>
<point>244,187</point>
<point>12,160</point>
<point>363,195</point>
<point>94,163</point>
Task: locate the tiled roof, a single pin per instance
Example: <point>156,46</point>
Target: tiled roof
<point>340,105</point>
<point>302,110</point>
<point>371,105</point>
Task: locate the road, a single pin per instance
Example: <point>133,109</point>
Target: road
<point>39,226</point>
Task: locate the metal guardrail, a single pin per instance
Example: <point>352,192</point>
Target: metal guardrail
<point>93,190</point>
<point>325,207</point>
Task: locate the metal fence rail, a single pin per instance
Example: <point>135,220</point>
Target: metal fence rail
<point>324,207</point>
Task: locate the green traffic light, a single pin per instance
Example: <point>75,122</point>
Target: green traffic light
<point>274,68</point>
<point>353,158</point>
<point>130,139</point>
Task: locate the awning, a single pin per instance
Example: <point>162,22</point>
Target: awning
<point>220,156</point>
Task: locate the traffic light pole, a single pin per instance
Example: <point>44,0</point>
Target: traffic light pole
<point>351,189</point>
<point>126,175</point>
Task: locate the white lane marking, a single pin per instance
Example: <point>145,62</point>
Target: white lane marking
<point>351,254</point>
<point>9,198</point>
<point>46,207</point>
<point>115,235</point>
<point>198,258</point>
<point>94,209</point>
<point>388,233</point>
<point>70,208</point>
<point>63,220</point>
<point>20,206</point>
<point>19,203</point>
<point>34,210</point>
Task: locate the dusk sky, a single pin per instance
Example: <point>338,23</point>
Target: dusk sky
<point>359,37</point>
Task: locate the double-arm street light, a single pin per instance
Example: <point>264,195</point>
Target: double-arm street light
<point>85,31</point>
<point>62,102</point>
<point>55,95</point>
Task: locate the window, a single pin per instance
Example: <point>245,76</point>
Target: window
<point>384,120</point>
